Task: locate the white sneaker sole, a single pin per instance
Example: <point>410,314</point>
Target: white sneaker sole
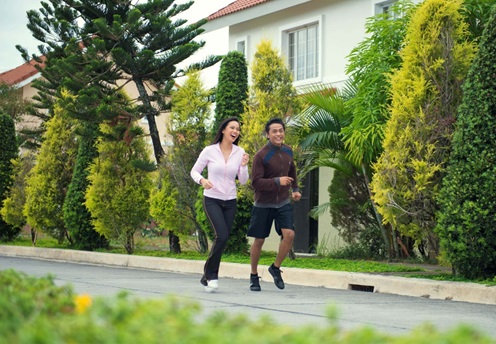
<point>210,290</point>
<point>212,286</point>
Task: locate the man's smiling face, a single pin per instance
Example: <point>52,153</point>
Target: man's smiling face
<point>276,134</point>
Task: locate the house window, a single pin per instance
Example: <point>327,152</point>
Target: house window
<point>241,47</point>
<point>385,7</point>
<point>303,52</point>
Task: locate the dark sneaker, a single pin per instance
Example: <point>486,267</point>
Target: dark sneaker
<point>276,273</point>
<point>204,281</point>
<point>255,283</point>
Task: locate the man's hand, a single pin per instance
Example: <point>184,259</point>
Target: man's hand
<point>284,181</point>
<point>296,196</point>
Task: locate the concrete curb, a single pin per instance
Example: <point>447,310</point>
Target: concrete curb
<point>440,290</point>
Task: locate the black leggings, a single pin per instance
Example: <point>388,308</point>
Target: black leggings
<point>221,216</point>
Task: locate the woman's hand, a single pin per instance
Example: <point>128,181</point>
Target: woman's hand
<point>245,159</point>
<point>207,184</point>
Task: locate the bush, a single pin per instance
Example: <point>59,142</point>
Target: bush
<point>23,299</point>
<point>36,311</point>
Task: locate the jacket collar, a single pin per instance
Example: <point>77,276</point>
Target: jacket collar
<point>273,146</point>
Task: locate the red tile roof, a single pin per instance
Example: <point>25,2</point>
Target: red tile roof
<point>236,6</point>
<point>19,74</point>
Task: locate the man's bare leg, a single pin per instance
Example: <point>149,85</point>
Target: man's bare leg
<point>284,246</point>
<point>255,252</point>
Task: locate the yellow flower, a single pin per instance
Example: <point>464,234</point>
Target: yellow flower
<point>82,303</point>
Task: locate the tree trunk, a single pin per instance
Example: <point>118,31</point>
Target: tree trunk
<point>174,245</point>
<point>202,241</point>
<point>158,150</point>
<point>377,215</point>
<point>129,245</point>
<point>34,235</point>
<point>68,237</point>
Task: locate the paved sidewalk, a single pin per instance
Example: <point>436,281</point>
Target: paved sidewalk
<point>377,283</point>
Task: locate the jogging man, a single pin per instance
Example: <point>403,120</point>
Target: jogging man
<point>274,180</point>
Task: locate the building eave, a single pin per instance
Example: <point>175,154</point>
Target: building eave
<point>250,13</point>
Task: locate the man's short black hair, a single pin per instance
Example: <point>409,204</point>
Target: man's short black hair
<point>272,121</point>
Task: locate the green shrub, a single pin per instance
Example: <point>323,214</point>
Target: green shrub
<point>36,311</point>
<point>467,220</point>
<point>23,299</point>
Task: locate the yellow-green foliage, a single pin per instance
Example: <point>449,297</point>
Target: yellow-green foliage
<point>190,105</point>
<point>271,95</point>
<point>119,193</point>
<point>48,181</point>
<point>12,210</point>
<point>426,91</point>
<point>173,204</point>
<point>36,311</point>
<point>163,204</point>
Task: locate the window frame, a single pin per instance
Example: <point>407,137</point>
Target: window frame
<point>382,6</point>
<point>293,28</point>
<point>246,42</point>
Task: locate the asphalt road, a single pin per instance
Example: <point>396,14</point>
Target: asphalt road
<point>296,305</point>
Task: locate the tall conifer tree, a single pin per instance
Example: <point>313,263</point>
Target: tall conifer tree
<point>232,87</point>
<point>8,152</point>
<point>48,181</point>
<point>143,42</point>
<point>467,220</point>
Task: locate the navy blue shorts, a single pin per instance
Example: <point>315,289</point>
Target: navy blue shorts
<point>262,219</point>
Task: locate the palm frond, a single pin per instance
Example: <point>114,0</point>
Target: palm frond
<point>319,210</point>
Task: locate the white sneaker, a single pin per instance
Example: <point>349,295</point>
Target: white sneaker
<point>212,286</point>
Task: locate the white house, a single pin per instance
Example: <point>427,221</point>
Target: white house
<point>315,37</point>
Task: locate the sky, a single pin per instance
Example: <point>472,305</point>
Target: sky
<point>13,31</point>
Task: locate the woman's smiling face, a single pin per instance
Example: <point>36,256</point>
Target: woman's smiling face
<point>231,132</point>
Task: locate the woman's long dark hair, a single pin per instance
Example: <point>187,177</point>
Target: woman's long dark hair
<point>222,126</point>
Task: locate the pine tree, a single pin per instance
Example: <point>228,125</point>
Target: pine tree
<point>77,217</point>
<point>118,197</point>
<point>467,220</point>
<point>271,95</point>
<point>48,181</point>
<point>142,41</point>
<point>8,152</point>
<point>232,88</point>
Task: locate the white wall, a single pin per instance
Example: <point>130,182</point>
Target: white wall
<point>342,29</point>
